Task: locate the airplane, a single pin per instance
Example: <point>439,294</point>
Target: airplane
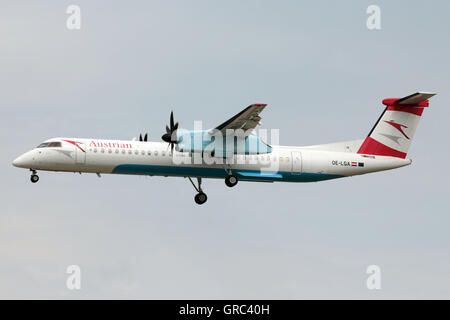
<point>233,152</point>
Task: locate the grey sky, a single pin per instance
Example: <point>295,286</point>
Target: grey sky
<point>323,75</point>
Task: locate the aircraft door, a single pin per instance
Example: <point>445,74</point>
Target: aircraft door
<point>296,162</point>
<point>80,153</point>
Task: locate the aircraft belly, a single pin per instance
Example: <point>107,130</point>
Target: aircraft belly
<point>219,172</point>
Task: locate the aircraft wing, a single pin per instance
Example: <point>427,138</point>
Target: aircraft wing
<point>246,119</point>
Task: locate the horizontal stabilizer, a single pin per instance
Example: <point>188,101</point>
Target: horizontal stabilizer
<point>418,99</point>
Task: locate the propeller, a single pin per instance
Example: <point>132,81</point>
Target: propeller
<point>171,136</point>
<point>143,139</point>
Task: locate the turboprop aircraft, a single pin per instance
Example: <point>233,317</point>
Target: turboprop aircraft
<point>232,151</point>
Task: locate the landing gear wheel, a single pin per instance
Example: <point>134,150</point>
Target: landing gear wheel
<point>34,178</point>
<point>231,181</point>
<point>200,198</point>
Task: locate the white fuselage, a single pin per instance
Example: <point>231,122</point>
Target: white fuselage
<point>284,163</point>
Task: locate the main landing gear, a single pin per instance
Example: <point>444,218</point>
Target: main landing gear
<point>34,177</point>
<point>231,181</point>
<point>200,197</point>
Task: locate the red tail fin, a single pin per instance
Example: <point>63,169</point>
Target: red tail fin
<point>394,130</point>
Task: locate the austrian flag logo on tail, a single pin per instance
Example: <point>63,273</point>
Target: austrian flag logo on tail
<point>399,127</point>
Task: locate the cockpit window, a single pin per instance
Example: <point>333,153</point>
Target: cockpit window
<point>49,145</point>
<point>43,145</point>
<point>55,144</point>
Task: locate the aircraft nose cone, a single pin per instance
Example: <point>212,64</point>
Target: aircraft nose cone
<point>22,162</point>
<point>17,162</point>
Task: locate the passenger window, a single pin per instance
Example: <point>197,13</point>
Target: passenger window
<point>163,153</point>
<point>95,150</point>
<point>109,151</point>
<point>129,151</point>
<point>103,150</point>
<point>117,150</point>
<point>156,152</point>
<point>123,151</point>
<point>143,152</point>
<point>149,153</point>
<point>136,152</point>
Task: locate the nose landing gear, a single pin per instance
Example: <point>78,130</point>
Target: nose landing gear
<point>200,197</point>
<point>34,177</point>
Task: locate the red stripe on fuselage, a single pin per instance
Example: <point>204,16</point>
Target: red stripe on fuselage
<point>373,147</point>
<point>75,143</point>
